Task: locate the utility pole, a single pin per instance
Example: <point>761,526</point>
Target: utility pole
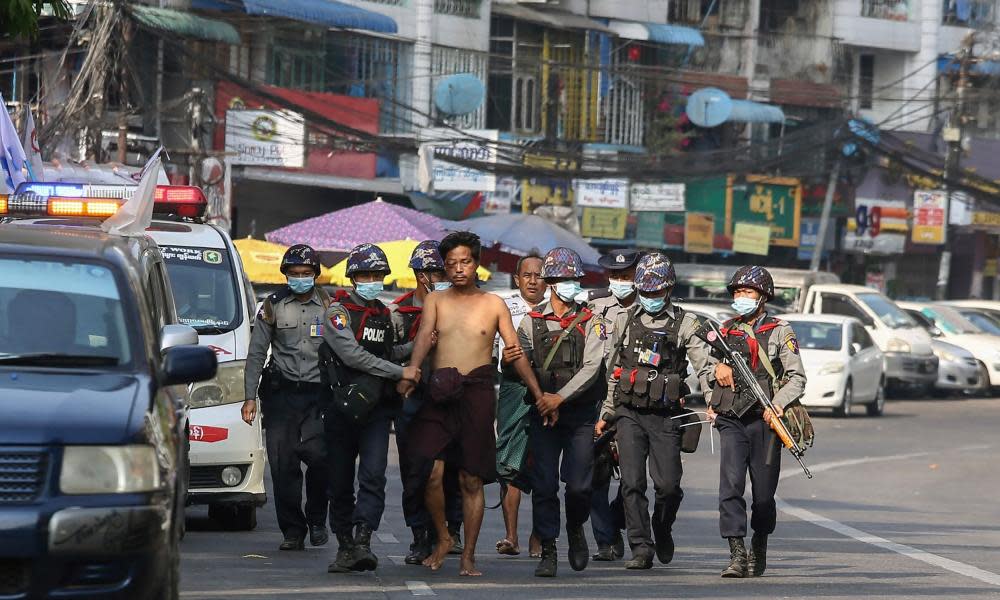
<point>953,135</point>
<point>824,220</point>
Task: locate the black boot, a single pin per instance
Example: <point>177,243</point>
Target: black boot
<point>549,564</point>
<point>758,555</point>
<point>292,543</point>
<point>618,548</point>
<point>345,555</point>
<point>604,554</point>
<point>364,559</point>
<point>579,552</point>
<point>664,544</point>
<point>318,535</point>
<point>420,548</point>
<point>640,560</point>
<point>737,559</point>
<point>456,537</point>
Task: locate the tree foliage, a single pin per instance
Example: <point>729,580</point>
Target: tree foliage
<point>20,17</point>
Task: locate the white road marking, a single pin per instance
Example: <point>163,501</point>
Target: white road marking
<point>419,588</point>
<point>846,530</point>
<point>386,538</point>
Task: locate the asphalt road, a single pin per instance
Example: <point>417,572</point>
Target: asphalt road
<point>903,506</point>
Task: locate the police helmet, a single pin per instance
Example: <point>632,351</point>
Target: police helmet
<point>300,254</point>
<point>654,273</point>
<point>753,277</point>
<point>427,257</point>
<point>367,258</point>
<point>562,263</point>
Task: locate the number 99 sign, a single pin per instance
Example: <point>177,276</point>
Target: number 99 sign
<point>868,219</point>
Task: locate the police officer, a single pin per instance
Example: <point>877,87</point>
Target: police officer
<point>290,322</point>
<point>772,351</point>
<point>428,270</point>
<point>652,344</point>
<point>608,519</point>
<point>360,333</point>
<point>567,354</point>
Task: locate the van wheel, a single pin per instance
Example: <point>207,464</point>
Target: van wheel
<point>844,410</point>
<point>877,408</point>
<point>240,517</point>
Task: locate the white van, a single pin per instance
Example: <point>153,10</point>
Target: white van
<point>909,358</point>
<point>214,295</point>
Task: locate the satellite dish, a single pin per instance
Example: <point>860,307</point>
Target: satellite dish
<point>459,94</point>
<point>709,107</point>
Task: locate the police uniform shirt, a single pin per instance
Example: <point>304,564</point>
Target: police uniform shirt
<point>593,350</point>
<point>696,348</point>
<point>339,333</point>
<point>294,331</point>
<point>519,308</point>
<point>783,348</point>
<point>606,310</point>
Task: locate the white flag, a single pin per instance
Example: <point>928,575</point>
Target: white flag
<point>137,213</point>
<point>12,158</point>
<point>36,169</point>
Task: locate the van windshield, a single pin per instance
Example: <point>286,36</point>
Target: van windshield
<point>204,287</point>
<point>887,311</point>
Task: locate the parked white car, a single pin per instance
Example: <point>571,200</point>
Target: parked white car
<point>844,367</point>
<point>984,314</point>
<point>960,331</point>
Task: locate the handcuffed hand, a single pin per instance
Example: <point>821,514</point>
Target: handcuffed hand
<point>550,419</point>
<point>710,414</point>
<point>549,403</point>
<point>249,410</point>
<point>511,354</point>
<point>724,376</point>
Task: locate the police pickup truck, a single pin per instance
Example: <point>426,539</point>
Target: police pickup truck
<point>94,376</point>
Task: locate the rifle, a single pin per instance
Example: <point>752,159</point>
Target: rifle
<point>744,377</point>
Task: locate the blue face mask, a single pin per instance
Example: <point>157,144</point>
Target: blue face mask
<point>567,290</point>
<point>621,289</point>
<point>301,285</point>
<point>440,286</point>
<point>744,306</point>
<point>653,306</point>
<point>369,291</point>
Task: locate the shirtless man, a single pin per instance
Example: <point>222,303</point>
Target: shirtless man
<point>457,424</point>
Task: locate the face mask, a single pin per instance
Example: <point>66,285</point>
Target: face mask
<point>369,291</point>
<point>440,286</point>
<point>567,290</point>
<point>744,306</point>
<point>301,285</point>
<point>653,306</point>
<point>621,289</point>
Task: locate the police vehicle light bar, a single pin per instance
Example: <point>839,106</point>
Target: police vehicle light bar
<point>99,200</point>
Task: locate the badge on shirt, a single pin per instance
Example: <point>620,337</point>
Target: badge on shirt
<point>793,343</point>
<point>316,330</point>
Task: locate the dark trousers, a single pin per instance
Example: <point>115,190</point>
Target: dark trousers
<point>746,444</point>
<point>295,436</point>
<point>572,441</point>
<point>649,434</point>
<point>367,445</point>
<point>415,471</point>
<point>606,518</point>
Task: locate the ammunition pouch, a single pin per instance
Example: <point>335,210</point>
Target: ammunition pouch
<point>645,387</point>
<point>690,430</point>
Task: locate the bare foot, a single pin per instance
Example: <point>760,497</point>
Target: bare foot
<point>534,546</point>
<point>441,550</point>
<point>467,568</point>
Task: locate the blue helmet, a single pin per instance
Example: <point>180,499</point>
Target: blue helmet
<point>654,273</point>
<point>367,258</point>
<point>755,278</point>
<point>562,263</point>
<point>300,254</point>
<point>427,257</point>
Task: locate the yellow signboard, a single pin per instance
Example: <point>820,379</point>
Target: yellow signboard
<point>608,223</point>
<point>752,239</point>
<point>699,232</point>
<point>542,191</point>
<point>929,208</point>
<point>985,219</point>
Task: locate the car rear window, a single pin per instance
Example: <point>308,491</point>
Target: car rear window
<point>818,336</point>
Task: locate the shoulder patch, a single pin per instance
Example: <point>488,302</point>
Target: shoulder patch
<point>792,342</point>
<point>338,317</point>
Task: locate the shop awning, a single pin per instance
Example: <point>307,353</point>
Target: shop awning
<point>186,24</point>
<point>952,65</point>
<point>549,18</point>
<point>657,32</point>
<point>321,12</point>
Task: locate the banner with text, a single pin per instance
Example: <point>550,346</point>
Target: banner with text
<point>657,196</point>
<point>270,138</point>
<point>608,223</point>
<point>602,193</point>
<point>699,233</point>
<point>752,238</point>
<point>772,201</point>
<point>929,207</point>
<point>452,177</point>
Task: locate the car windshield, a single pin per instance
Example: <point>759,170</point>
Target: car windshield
<point>887,311</point>
<point>983,321</point>
<point>60,312</point>
<point>204,287</point>
<point>815,335</point>
<point>950,320</point>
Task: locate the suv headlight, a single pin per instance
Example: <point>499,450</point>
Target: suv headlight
<point>897,345</point>
<point>109,470</point>
<point>225,388</point>
<point>832,369</point>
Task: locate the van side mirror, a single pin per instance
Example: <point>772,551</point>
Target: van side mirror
<point>176,334</point>
<point>935,332</point>
<point>188,364</point>
<point>854,349</point>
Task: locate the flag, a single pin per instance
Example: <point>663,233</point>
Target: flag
<point>137,213</point>
<point>12,158</point>
<point>36,170</point>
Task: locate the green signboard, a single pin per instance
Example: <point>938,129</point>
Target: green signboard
<point>649,229</point>
<point>708,196</point>
<point>773,201</point>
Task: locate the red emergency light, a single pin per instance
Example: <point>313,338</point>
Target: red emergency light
<point>182,200</point>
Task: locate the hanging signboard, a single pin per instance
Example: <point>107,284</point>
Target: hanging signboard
<point>269,138</point>
<point>608,223</point>
<point>699,233</point>
<point>602,193</point>
<point>752,238</point>
<point>546,191</point>
<point>649,230</point>
<point>878,227</point>
<point>929,216</point>
<point>499,201</point>
<point>657,196</point>
<point>477,145</point>
<point>772,201</point>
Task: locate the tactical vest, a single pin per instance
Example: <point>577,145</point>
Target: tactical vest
<point>569,356</point>
<point>653,366</point>
<point>724,399</point>
<point>372,327</point>
<point>410,314</point>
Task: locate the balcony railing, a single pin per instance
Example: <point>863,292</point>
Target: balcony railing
<point>806,57</point>
<point>892,10</point>
<point>971,13</point>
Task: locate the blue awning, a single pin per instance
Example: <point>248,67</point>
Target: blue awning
<point>748,111</point>
<point>952,65</point>
<point>322,12</point>
<point>657,32</point>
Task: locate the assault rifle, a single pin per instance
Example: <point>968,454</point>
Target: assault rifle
<point>745,380</point>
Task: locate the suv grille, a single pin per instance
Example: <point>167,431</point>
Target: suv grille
<point>22,476</point>
<point>13,576</point>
